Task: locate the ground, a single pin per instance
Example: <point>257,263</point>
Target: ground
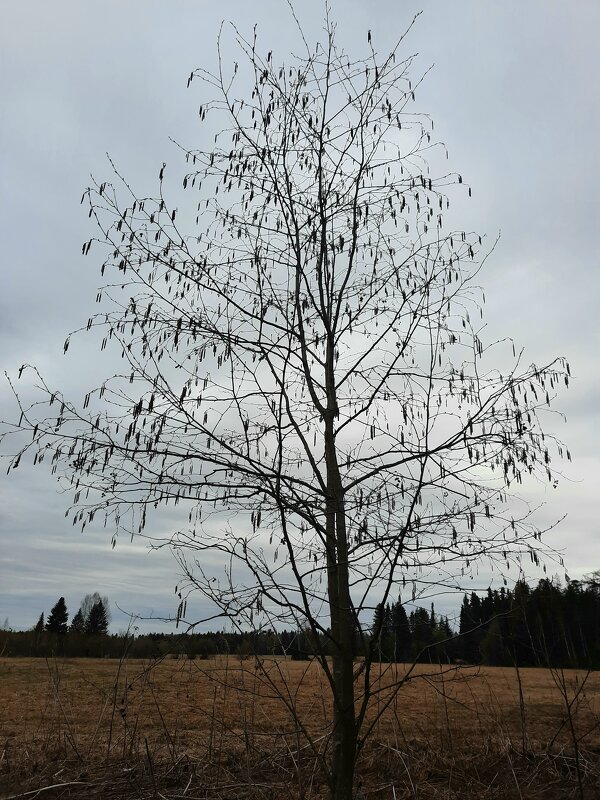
<point>223,728</point>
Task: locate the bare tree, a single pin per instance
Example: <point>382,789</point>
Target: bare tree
<point>304,368</point>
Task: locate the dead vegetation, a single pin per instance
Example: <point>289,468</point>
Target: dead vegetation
<point>249,728</point>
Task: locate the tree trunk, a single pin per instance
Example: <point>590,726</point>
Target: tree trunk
<point>344,733</point>
<point>342,626</point>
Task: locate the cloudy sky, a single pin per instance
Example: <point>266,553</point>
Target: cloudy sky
<point>515,96</point>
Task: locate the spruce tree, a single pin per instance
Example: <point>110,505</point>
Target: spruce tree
<point>39,626</point>
<point>77,623</point>
<point>57,621</point>
<point>90,600</point>
<point>401,633</point>
<point>378,629</point>
<point>97,623</point>
<point>422,634</point>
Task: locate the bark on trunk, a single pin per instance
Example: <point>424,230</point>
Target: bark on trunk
<point>342,625</point>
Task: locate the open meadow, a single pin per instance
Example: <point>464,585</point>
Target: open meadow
<point>231,727</point>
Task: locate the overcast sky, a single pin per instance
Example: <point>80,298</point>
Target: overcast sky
<point>515,96</point>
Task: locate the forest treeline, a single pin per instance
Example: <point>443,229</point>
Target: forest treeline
<point>548,625</point>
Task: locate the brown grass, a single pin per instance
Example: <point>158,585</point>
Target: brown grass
<point>223,728</point>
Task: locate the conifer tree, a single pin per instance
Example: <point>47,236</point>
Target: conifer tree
<point>77,623</point>
<point>57,620</point>
<point>380,630</point>
<point>97,623</point>
<point>401,633</point>
<point>89,601</point>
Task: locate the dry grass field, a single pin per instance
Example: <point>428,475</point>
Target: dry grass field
<point>223,728</point>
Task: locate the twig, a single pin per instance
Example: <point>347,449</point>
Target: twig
<point>404,764</point>
<point>512,769</point>
<point>35,792</point>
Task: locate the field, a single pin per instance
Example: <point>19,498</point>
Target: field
<point>223,728</point>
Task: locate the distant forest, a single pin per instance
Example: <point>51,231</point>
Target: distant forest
<point>549,625</point>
